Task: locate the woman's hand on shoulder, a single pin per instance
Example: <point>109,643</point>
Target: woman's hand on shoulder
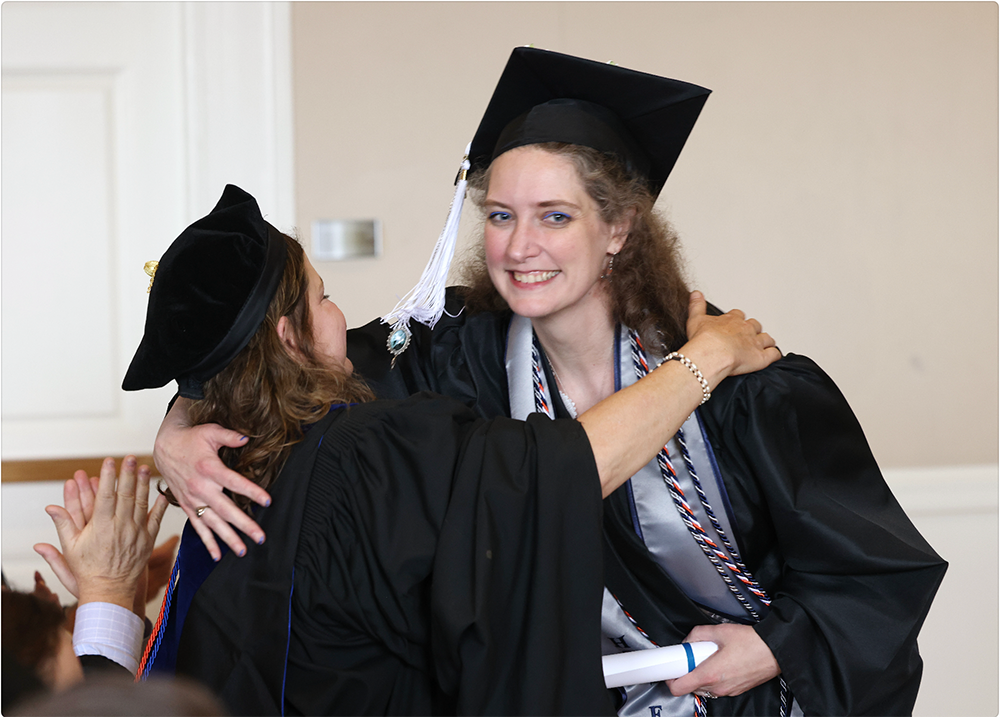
<point>188,459</point>
<point>742,662</point>
<point>726,345</point>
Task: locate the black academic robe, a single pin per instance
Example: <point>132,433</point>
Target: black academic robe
<point>850,577</point>
<point>419,560</point>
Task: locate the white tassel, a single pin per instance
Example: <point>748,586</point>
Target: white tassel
<point>425,301</point>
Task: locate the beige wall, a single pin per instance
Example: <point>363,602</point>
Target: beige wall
<point>841,184</point>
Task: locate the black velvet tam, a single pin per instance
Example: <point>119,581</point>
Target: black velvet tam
<point>545,96</point>
<point>209,295</point>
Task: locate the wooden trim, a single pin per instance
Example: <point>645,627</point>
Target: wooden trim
<point>58,469</point>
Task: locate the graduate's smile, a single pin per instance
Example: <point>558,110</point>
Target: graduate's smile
<point>546,243</point>
<point>527,278</point>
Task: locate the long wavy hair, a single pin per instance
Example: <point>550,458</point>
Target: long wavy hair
<point>647,289</point>
<point>268,394</point>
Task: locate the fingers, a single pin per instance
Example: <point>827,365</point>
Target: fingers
<point>234,482</point>
<point>155,518</point>
<point>104,504</point>
<point>65,527</point>
<point>205,533</point>
<point>222,436</point>
<point>125,493</point>
<point>222,511</point>
<point>58,564</point>
<point>697,306</point>
<point>71,499</point>
<point>188,458</point>
<point>688,683</point>
<point>225,531</point>
<point>757,328</point>
<point>699,678</point>
<point>88,493</point>
<point>141,495</point>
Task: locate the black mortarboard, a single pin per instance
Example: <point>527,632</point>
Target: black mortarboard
<point>208,296</point>
<point>546,96</point>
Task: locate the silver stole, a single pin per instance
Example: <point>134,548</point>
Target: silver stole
<point>659,525</point>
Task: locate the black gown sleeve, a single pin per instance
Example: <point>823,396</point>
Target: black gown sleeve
<point>450,564</point>
<point>850,577</point>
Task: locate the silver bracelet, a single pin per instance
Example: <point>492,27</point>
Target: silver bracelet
<point>689,365</point>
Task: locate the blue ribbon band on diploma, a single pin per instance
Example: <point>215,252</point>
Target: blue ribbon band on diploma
<point>690,655</point>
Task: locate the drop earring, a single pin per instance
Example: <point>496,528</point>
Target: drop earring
<point>611,268</point>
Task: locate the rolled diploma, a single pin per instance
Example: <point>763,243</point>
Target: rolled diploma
<point>655,664</point>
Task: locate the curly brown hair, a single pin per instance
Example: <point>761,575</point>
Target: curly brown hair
<point>267,394</point>
<point>648,291</point>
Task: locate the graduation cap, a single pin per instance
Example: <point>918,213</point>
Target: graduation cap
<point>208,295</point>
<point>642,119</point>
<point>543,96</point>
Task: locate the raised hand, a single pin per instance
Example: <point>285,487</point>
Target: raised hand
<point>104,557</point>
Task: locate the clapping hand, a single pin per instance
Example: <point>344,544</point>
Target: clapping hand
<point>106,537</point>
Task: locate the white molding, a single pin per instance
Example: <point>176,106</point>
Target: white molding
<point>283,114</point>
<point>945,490</point>
<point>238,105</point>
<point>200,96</point>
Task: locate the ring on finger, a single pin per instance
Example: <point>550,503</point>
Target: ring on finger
<point>200,511</point>
<point>705,693</point>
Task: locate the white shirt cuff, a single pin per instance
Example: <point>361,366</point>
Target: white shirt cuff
<point>110,631</point>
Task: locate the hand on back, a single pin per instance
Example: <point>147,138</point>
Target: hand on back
<point>188,459</point>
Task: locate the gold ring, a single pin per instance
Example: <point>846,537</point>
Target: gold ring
<point>201,511</point>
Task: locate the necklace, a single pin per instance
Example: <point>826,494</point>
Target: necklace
<point>567,401</point>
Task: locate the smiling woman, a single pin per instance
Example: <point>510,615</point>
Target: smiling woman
<point>546,243</point>
<point>762,506</point>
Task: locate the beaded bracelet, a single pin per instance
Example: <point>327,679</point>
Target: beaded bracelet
<point>689,365</point>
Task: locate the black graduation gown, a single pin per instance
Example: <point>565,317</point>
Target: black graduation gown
<point>419,560</point>
<point>850,577</point>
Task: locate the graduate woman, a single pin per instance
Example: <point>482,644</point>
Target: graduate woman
<point>419,560</point>
<point>765,524</point>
